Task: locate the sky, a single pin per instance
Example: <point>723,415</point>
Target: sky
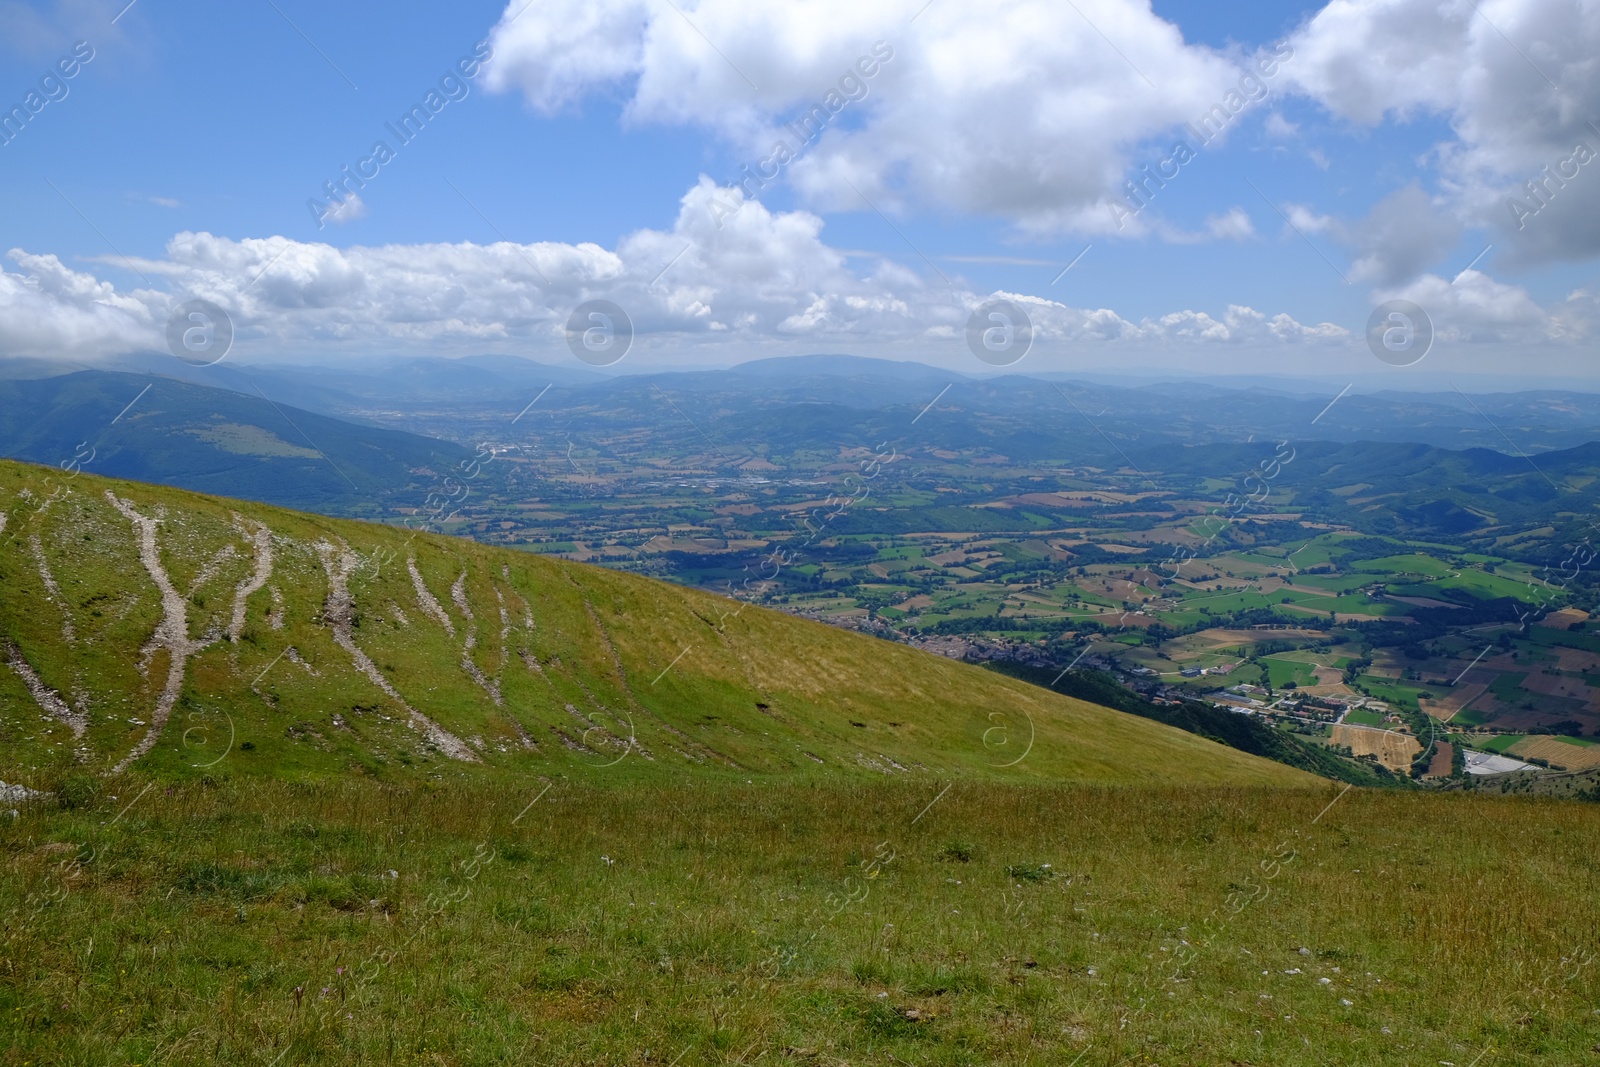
<point>1213,189</point>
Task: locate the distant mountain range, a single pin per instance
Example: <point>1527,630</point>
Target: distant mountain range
<point>393,391</point>
<point>373,440</point>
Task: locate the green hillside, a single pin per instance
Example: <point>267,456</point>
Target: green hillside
<point>243,444</point>
<point>148,625</point>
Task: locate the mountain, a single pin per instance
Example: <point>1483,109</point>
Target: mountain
<point>141,624</point>
<point>354,388</point>
<point>1009,410</point>
<point>218,440</point>
<point>1475,495</point>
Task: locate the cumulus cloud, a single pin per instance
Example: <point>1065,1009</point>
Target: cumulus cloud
<point>1026,110</point>
<point>50,309</point>
<point>728,276</point>
<point>1476,309</point>
<point>1402,234</point>
<point>1035,112</point>
<point>1516,80</point>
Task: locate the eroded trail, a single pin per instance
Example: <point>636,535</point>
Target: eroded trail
<point>212,566</point>
<point>261,541</point>
<point>458,593</point>
<point>48,699</point>
<point>429,603</point>
<point>172,632</point>
<point>339,612</point>
<point>51,589</point>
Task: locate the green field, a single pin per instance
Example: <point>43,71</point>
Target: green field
<point>1414,563</point>
<point>1551,638</point>
<point>1396,694</point>
<point>1284,671</point>
<point>253,922</point>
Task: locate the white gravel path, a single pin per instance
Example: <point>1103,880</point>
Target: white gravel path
<point>261,541</point>
<point>339,611</point>
<point>172,632</point>
<point>47,699</point>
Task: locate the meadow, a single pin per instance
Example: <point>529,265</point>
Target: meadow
<point>597,920</point>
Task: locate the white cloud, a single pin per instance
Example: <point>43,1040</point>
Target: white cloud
<point>1306,220</point>
<point>1516,79</point>
<point>1475,308</point>
<point>1402,235</point>
<point>1233,225</point>
<point>49,309</point>
<point>1019,109</point>
<point>1278,126</point>
<point>1025,110</point>
<point>735,282</point>
<point>349,209</point>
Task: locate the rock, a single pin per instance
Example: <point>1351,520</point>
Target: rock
<point>20,794</point>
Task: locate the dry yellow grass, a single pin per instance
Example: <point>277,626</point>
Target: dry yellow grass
<point>1560,754</point>
<point>1394,750</point>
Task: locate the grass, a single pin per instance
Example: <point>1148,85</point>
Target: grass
<point>1284,671</point>
<point>530,665</point>
<point>1408,563</point>
<point>258,922</point>
<point>1392,692</point>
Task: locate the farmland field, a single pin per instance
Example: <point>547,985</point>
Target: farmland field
<point>1567,753</point>
<point>1392,748</point>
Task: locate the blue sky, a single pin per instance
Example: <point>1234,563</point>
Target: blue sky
<point>225,119</point>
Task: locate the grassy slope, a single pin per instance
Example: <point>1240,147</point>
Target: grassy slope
<point>215,441</point>
<point>595,670</point>
<point>257,922</point>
